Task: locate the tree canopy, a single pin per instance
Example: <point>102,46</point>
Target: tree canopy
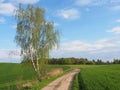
<point>35,35</point>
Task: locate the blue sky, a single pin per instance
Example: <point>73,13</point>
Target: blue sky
<point>89,28</point>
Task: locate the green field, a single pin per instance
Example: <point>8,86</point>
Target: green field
<point>91,77</point>
<point>97,77</point>
<point>11,75</point>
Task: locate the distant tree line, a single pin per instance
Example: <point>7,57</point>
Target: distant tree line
<point>75,61</point>
<point>116,61</point>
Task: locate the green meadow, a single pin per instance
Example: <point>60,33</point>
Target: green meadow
<point>12,75</point>
<point>97,77</point>
<point>91,77</point>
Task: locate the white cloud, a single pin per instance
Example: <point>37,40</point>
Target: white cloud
<point>2,20</point>
<point>118,20</point>
<point>90,2</point>
<point>104,45</point>
<point>104,48</point>
<point>97,3</point>
<point>25,1</point>
<point>1,1</point>
<point>9,54</point>
<point>115,30</point>
<point>83,2</point>
<point>69,13</point>
<point>85,46</point>
<point>75,46</point>
<point>116,7</point>
<point>7,8</point>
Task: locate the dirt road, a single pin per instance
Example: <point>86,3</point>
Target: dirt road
<point>62,83</point>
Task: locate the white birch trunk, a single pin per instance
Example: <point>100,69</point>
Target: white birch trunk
<point>37,60</point>
<point>38,64</point>
<point>33,63</point>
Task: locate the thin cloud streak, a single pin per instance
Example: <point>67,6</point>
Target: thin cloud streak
<point>71,14</point>
<point>115,30</point>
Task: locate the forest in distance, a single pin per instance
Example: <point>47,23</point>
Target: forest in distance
<point>76,61</point>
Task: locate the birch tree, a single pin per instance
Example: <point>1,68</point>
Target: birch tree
<point>35,35</point>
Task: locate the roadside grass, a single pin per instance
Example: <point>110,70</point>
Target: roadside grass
<point>75,83</point>
<point>46,81</point>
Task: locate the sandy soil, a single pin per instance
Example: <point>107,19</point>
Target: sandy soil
<point>62,83</point>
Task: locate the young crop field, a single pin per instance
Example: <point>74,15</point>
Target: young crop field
<point>97,77</point>
<point>12,74</point>
<point>91,77</point>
